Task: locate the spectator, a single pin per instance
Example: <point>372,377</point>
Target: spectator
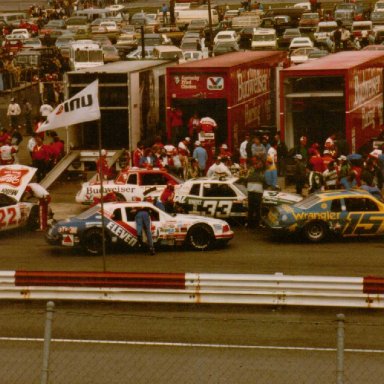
<point>243,150</point>
<point>164,11</point>
<point>147,160</point>
<point>27,113</point>
<point>302,148</point>
<point>176,122</point>
<point>201,155</point>
<point>45,109</point>
<point>183,147</point>
<point>218,169</point>
<point>40,158</point>
<point>103,169</point>
<point>137,154</point>
<point>282,153</point>
<point>270,174</point>
<point>167,198</point>
<point>300,173</point>
<point>330,176</point>
<point>7,152</point>
<point>194,126</point>
<point>258,149</point>
<point>13,112</point>
<point>255,188</point>
<point>315,180</point>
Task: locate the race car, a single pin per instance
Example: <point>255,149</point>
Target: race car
<point>224,197</point>
<point>215,197</point>
<point>346,213</point>
<point>129,185</point>
<point>19,206</point>
<point>118,218</point>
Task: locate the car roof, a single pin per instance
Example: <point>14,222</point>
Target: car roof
<point>343,193</point>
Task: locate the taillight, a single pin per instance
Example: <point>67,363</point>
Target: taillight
<point>226,228</point>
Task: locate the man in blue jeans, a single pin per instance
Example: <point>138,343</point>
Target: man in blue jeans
<point>143,221</point>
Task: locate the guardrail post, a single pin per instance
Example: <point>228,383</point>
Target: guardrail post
<point>340,348</point>
<point>47,342</point>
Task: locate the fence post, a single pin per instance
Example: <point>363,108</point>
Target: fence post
<point>47,342</point>
<point>340,348</point>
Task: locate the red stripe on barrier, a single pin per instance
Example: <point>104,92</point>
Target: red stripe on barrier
<point>100,279</point>
<point>372,284</point>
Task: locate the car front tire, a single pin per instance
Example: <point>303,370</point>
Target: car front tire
<point>315,231</point>
<point>93,241</point>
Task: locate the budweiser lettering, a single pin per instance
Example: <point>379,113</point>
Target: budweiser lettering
<point>252,82</point>
<point>365,89</point>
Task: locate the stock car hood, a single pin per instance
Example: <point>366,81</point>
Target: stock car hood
<point>14,179</point>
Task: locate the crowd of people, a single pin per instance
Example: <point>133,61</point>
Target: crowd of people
<point>45,150</point>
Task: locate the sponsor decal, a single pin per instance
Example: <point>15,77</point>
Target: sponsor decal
<point>215,83</point>
<point>122,233</point>
<point>68,240</point>
<point>12,177</point>
<point>316,216</point>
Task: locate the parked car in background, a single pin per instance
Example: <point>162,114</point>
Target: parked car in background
<point>33,42</point>
<point>226,36</point>
<point>309,21</point>
<point>325,30</point>
<point>126,43</point>
<point>136,54</point>
<point>288,35</point>
<point>194,55</point>
<point>301,42</point>
<point>110,54</point>
<point>301,55</point>
<point>377,17</point>
<point>225,47</point>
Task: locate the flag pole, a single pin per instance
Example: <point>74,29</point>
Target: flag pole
<point>101,176</point>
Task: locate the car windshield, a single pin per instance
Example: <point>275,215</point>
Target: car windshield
<point>263,38</point>
<point>308,203</point>
<point>361,28</point>
<point>327,29</point>
<point>345,6</point>
<point>310,16</point>
<point>88,56</point>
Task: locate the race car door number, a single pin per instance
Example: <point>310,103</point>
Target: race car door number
<point>218,208</point>
<point>8,217</point>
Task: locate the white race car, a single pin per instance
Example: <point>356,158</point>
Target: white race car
<point>85,230</point>
<point>128,186</point>
<point>18,207</point>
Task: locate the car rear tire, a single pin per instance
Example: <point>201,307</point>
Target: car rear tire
<point>93,241</point>
<point>315,231</point>
<point>200,237</point>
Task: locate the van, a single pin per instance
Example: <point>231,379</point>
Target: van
<point>185,16</point>
<point>264,38</point>
<point>94,13</point>
<point>13,19</point>
<point>168,52</point>
<point>85,54</point>
<point>325,30</point>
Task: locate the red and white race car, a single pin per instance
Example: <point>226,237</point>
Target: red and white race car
<point>129,185</point>
<point>19,199</point>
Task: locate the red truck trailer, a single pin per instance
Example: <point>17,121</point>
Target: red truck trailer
<point>340,93</point>
<point>237,90</point>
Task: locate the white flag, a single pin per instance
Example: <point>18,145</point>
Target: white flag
<point>84,106</point>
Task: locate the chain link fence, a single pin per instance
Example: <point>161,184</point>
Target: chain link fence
<point>60,345</point>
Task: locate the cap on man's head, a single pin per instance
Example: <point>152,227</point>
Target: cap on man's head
<point>224,146</point>
<point>298,156</point>
<point>187,139</point>
<point>303,138</point>
<point>197,142</point>
<point>342,157</point>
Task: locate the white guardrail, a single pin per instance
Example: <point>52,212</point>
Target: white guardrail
<point>276,290</point>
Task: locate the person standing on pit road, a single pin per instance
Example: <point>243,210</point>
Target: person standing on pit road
<point>300,174</point>
<point>143,222</point>
<point>27,113</point>
<point>167,198</point>
<point>243,150</point>
<point>45,109</point>
<point>164,11</point>
<point>102,166</point>
<point>255,188</point>
<point>218,169</point>
<point>13,112</point>
<point>201,155</point>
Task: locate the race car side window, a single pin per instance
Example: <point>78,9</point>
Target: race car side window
<point>153,179</point>
<point>360,205</point>
<point>195,190</point>
<point>371,205</point>
<point>130,213</point>
<point>132,179</point>
<point>336,205</point>
<point>117,215</point>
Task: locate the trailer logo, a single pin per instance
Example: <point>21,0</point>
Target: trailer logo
<point>367,85</point>
<point>215,83</point>
<point>252,82</point>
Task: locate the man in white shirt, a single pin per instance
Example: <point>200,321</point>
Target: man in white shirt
<point>218,169</point>
<point>243,151</point>
<point>45,109</point>
<point>13,112</point>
